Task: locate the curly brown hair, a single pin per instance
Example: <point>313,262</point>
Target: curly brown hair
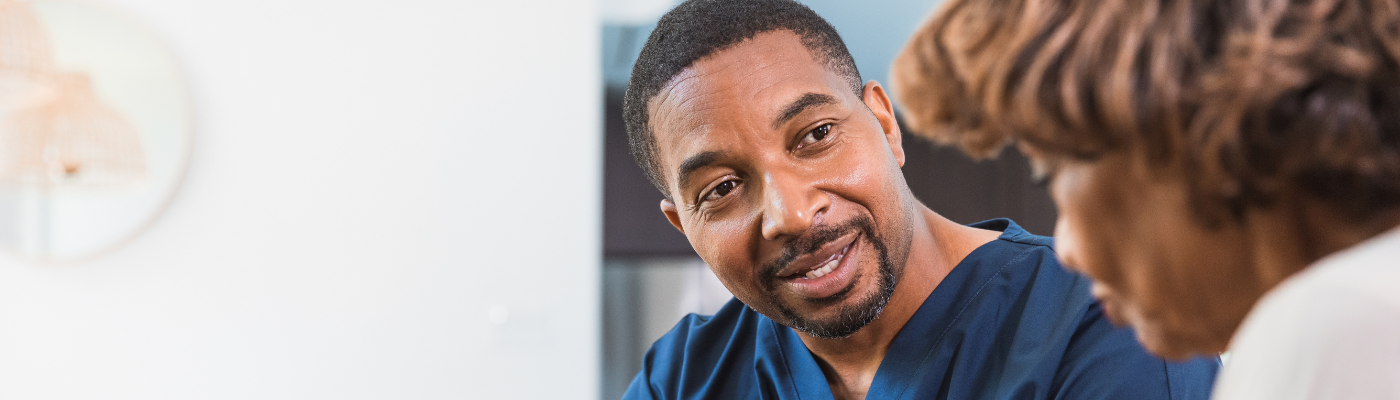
<point>1249,99</point>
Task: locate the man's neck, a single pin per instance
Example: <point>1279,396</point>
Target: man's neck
<point>937,245</point>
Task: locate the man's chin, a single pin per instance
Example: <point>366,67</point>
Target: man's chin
<point>844,300</point>
<point>837,329</point>
<point>838,319</point>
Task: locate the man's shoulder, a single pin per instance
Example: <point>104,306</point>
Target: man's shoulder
<point>1018,252</point>
<point>1032,258</point>
<point>1092,355</point>
<point>1013,233</point>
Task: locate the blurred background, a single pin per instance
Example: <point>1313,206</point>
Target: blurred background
<point>406,200</point>
<point>382,200</point>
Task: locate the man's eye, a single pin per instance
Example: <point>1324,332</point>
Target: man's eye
<point>816,135</point>
<point>721,190</point>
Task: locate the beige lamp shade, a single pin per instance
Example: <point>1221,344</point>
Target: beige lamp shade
<point>94,129</point>
<point>71,141</point>
<point>25,56</point>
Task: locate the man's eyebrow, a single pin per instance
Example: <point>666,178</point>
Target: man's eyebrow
<point>694,163</point>
<point>802,104</point>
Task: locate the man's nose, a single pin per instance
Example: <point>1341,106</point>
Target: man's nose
<point>790,205</point>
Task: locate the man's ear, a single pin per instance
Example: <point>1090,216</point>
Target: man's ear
<point>879,103</point>
<point>669,208</point>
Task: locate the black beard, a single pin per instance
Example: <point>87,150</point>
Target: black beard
<point>850,318</point>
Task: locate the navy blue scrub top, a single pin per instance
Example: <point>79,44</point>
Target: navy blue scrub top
<point>1006,323</point>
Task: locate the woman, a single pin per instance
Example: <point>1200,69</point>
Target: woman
<point>1227,171</point>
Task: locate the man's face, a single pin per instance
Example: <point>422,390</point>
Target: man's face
<point>1183,287</point>
<point>786,183</point>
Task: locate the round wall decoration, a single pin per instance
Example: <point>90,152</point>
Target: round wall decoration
<point>95,128</point>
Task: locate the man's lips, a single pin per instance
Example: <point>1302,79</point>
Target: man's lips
<point>815,264</point>
<point>829,265</point>
<point>831,279</point>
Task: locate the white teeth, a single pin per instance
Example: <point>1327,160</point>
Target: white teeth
<point>825,268</point>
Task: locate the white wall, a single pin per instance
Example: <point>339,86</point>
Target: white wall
<point>370,180</point>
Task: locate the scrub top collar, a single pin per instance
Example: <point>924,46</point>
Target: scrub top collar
<point>911,355</point>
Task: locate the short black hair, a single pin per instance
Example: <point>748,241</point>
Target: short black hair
<point>699,28</point>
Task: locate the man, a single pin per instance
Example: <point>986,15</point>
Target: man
<point>783,171</point>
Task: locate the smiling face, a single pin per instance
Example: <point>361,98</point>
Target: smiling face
<point>1184,287</point>
<point>786,183</point>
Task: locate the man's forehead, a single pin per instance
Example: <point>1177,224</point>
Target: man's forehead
<point>753,76</point>
<point>739,89</point>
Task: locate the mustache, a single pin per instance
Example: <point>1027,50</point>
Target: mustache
<point>814,240</point>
